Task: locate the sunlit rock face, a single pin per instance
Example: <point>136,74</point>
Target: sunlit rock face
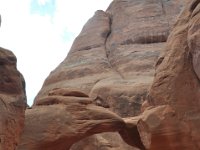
<point>138,33</point>
<point>65,114</point>
<point>12,101</point>
<point>83,74</point>
<point>108,75</point>
<point>114,55</point>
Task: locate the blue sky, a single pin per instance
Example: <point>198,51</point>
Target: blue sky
<point>40,33</point>
<point>43,7</point>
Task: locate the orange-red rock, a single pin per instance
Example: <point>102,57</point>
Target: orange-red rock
<point>177,84</point>
<point>59,126</point>
<point>57,122</point>
<point>111,64</point>
<point>12,101</point>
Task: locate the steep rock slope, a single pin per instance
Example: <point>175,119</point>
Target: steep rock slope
<point>65,113</point>
<point>177,85</point>
<point>12,101</point>
<point>110,64</point>
<point>114,55</point>
<point>138,31</point>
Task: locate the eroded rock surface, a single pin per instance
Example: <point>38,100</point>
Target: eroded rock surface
<point>58,121</point>
<point>177,84</point>
<point>12,101</point>
<point>138,34</point>
<point>59,126</point>
<point>111,64</point>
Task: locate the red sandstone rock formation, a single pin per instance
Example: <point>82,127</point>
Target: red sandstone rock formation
<point>138,31</point>
<point>177,85</point>
<point>12,101</point>
<point>111,64</point>
<point>58,121</point>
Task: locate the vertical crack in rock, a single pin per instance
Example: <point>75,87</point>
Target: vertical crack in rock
<point>107,50</point>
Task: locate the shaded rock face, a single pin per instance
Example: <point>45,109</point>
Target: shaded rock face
<point>101,142</point>
<point>12,101</point>
<point>177,84</point>
<point>110,68</point>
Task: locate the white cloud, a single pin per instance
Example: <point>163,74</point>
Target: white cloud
<point>37,40</point>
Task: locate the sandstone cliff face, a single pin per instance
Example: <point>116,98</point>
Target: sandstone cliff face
<point>110,68</point>
<point>114,55</point>
<point>12,101</point>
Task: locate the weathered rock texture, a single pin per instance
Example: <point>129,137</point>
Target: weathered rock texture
<point>64,117</point>
<point>137,34</point>
<point>114,55</point>
<point>58,126</point>
<point>110,67</point>
<point>177,84</point>
<point>12,101</point>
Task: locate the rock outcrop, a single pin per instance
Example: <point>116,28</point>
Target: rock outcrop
<point>12,101</point>
<point>64,117</point>
<point>58,126</point>
<point>177,85</point>
<point>138,34</point>
<point>106,77</point>
<point>114,55</point>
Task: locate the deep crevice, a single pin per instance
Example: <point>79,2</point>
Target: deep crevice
<point>107,50</point>
<point>194,5</point>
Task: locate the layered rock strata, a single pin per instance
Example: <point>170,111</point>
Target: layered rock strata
<point>138,34</point>
<point>110,67</point>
